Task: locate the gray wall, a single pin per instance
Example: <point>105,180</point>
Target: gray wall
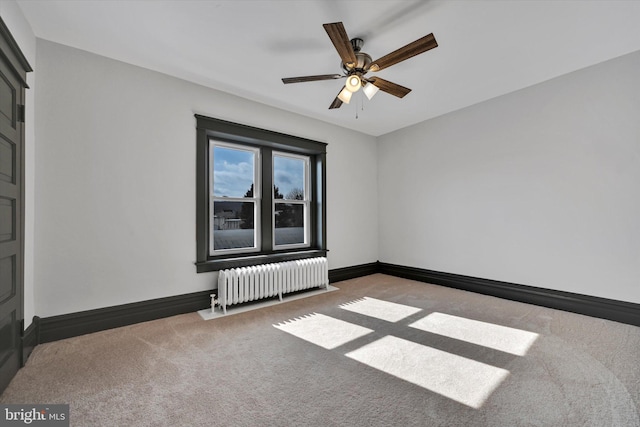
<point>539,187</point>
<point>115,181</point>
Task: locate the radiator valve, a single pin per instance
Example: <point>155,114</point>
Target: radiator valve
<point>214,301</point>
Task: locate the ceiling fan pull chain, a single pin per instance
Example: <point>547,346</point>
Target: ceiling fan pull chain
<point>361,103</point>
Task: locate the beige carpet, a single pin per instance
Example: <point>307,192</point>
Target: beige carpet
<point>381,351</point>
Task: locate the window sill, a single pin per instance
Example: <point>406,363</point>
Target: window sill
<point>256,259</point>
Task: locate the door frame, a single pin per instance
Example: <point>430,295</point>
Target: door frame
<point>14,61</point>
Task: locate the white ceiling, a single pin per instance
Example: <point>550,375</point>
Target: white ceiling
<point>486,48</point>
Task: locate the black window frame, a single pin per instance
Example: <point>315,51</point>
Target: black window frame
<point>268,141</point>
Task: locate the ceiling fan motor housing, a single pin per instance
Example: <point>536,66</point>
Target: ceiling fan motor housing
<point>363,60</point>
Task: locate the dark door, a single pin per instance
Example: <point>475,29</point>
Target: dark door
<point>12,85</point>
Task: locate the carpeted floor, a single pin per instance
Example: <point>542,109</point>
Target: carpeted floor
<point>381,351</point>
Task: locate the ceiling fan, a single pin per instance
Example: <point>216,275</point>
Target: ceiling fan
<point>356,64</point>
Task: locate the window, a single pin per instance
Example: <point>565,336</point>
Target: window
<point>290,200</point>
<point>260,196</point>
<point>235,198</point>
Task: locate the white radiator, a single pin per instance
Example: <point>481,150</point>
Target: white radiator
<point>238,285</point>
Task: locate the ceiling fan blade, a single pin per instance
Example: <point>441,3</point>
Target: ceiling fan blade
<point>337,103</point>
<point>340,40</point>
<point>389,87</point>
<point>303,79</point>
<point>417,47</point>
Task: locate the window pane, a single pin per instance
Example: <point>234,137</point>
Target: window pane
<point>233,225</point>
<point>288,178</point>
<point>233,172</point>
<point>289,221</point>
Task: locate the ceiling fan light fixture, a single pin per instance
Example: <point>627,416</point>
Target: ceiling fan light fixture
<point>370,90</point>
<point>353,83</point>
<point>345,95</point>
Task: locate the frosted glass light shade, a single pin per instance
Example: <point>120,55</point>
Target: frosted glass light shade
<point>370,90</point>
<point>345,95</point>
<point>353,83</point>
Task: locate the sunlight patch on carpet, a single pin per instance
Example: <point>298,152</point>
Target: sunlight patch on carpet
<point>503,338</point>
<point>464,380</point>
<point>322,330</point>
<point>380,309</point>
